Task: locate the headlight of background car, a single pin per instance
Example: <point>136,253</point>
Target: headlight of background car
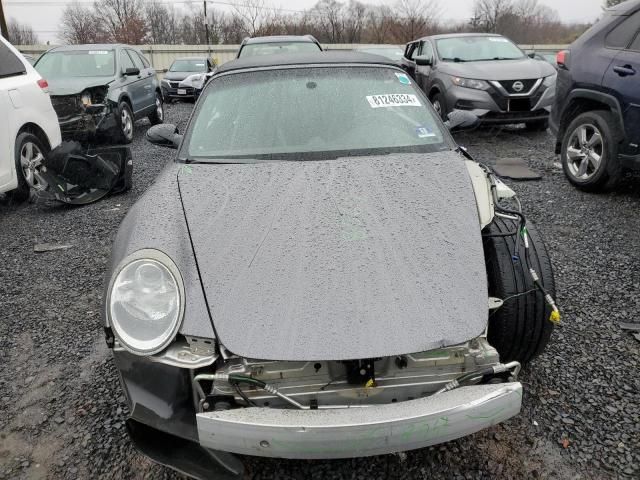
<point>550,80</point>
<point>195,81</point>
<point>85,98</point>
<point>469,83</point>
<point>146,302</point>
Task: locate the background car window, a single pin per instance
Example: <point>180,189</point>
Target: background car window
<point>313,110</point>
<point>414,51</point>
<point>136,60</point>
<point>10,65</point>
<point>76,63</point>
<point>125,61</point>
<point>196,65</point>
<point>143,59</point>
<point>255,49</point>
<point>426,50</point>
<point>481,48</point>
<point>636,43</point>
<point>621,36</point>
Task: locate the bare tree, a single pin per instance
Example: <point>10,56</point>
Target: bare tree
<point>21,34</point>
<point>355,16</point>
<point>123,20</point>
<point>252,14</point>
<point>416,18</point>
<point>329,18</point>
<point>488,13</point>
<point>162,23</point>
<point>379,22</point>
<point>79,25</point>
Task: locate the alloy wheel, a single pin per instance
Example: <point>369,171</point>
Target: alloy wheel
<point>127,123</point>
<point>585,151</point>
<point>31,158</point>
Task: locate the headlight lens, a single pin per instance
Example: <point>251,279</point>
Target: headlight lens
<point>550,80</point>
<point>85,98</point>
<point>146,302</point>
<point>470,83</point>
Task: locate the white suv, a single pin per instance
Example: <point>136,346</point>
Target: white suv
<point>29,126</point>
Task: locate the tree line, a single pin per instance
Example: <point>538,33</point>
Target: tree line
<point>138,22</point>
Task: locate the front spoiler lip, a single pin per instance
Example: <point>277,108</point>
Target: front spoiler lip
<point>359,432</point>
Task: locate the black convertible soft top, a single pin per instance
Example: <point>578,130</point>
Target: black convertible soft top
<point>320,58</point>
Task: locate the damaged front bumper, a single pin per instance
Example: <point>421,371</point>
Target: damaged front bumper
<point>80,122</point>
<point>359,432</point>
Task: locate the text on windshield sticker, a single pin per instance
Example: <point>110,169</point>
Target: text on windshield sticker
<point>393,100</point>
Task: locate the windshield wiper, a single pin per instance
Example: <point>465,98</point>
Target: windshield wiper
<point>454,59</point>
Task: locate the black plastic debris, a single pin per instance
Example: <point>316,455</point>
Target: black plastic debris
<point>77,176</point>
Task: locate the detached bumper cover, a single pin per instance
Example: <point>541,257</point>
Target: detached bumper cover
<point>358,432</point>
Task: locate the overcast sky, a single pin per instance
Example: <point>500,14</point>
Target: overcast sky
<point>44,15</point>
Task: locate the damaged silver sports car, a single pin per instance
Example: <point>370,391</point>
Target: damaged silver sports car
<point>322,273</point>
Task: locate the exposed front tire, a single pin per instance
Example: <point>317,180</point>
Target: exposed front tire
<point>157,116</point>
<point>29,155</point>
<point>521,328</point>
<point>590,151</point>
<point>125,123</point>
<point>439,105</point>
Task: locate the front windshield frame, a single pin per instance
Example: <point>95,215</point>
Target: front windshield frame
<point>73,74</point>
<point>487,38</point>
<point>183,150</point>
<point>194,62</point>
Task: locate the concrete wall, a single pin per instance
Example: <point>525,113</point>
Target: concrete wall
<point>161,56</point>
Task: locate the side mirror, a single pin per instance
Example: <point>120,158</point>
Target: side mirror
<point>461,120</point>
<point>165,70</point>
<point>532,55</point>
<point>131,72</point>
<point>164,135</point>
<point>424,61</point>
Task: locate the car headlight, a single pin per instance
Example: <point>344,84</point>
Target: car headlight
<point>195,81</point>
<point>145,303</point>
<point>550,80</point>
<point>470,83</point>
<point>85,98</point>
<point>165,81</point>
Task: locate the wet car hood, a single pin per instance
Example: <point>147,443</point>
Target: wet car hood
<point>521,69</point>
<point>75,85</point>
<point>340,259</point>
<point>177,76</point>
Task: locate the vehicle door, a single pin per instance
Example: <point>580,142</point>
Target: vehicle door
<point>408,62</point>
<point>133,85</point>
<point>11,67</point>
<point>423,72</point>
<point>148,74</point>
<point>622,78</point>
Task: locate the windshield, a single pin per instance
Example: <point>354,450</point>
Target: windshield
<point>188,66</point>
<point>311,113</point>
<point>254,49</point>
<point>476,49</point>
<point>78,63</point>
<point>394,54</point>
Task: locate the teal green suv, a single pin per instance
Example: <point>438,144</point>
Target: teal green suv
<point>101,90</point>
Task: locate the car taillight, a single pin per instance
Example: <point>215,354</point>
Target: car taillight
<point>562,59</point>
<point>42,83</point>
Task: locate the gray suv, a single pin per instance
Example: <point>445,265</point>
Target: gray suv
<point>101,90</point>
<point>485,74</point>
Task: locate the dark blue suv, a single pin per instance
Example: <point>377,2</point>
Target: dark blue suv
<point>596,115</point>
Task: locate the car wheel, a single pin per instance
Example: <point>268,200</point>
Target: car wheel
<point>537,126</point>
<point>157,116</point>
<point>590,151</point>
<point>125,122</point>
<point>520,329</point>
<point>439,105</point>
<point>29,155</point>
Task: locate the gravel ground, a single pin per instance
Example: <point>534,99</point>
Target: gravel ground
<point>62,411</point>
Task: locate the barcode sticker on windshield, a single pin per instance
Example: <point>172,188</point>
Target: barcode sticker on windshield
<point>393,100</point>
<point>498,39</point>
<point>98,52</point>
